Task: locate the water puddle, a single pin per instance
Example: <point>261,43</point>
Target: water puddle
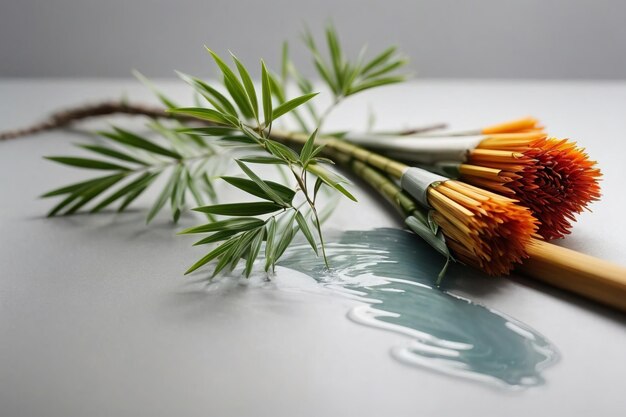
<point>393,273</point>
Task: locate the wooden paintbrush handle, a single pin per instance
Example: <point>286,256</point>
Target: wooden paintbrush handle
<point>582,274</point>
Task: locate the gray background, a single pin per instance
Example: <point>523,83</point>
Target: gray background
<point>444,38</point>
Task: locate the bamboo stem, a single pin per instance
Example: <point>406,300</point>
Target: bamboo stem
<point>387,165</point>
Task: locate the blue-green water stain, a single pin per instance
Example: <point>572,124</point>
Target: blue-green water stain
<point>394,273</point>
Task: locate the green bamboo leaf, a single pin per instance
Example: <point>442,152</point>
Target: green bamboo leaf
<point>74,187</point>
<point>56,209</point>
<point>378,60</point>
<point>127,138</point>
<point>86,163</point>
<point>255,248</point>
<point>237,139</point>
<point>145,81</point>
<point>134,195</point>
<point>286,238</point>
<point>253,188</point>
<point>284,62</point>
<point>207,131</point>
<point>248,85</point>
<point>262,184</point>
<point>306,231</point>
<point>307,150</point>
<point>330,179</point>
<point>241,209</point>
<point>234,86</point>
<point>276,88</point>
<point>177,197</point>
<point>93,192</point>
<point>267,95</point>
<point>318,185</point>
<point>217,237</point>
<point>113,153</point>
<point>239,224</point>
<point>387,68</point>
<point>234,254</point>
<point>336,55</point>
<point>138,183</point>
<point>282,151</point>
<point>212,255</point>
<point>376,83</point>
<point>290,105</point>
<point>203,114</point>
<point>269,246</point>
<point>263,159</point>
<point>165,194</point>
<point>217,99</point>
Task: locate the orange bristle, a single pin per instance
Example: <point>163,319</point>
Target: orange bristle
<point>483,229</point>
<point>552,177</point>
<point>526,124</point>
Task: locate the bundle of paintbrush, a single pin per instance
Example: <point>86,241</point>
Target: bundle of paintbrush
<point>494,232</point>
<point>554,178</point>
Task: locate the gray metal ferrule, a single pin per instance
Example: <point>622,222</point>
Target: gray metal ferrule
<point>416,181</point>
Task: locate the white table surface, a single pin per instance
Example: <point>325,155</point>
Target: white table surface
<point>97,320</point>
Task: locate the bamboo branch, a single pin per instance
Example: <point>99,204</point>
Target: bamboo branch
<point>66,117</point>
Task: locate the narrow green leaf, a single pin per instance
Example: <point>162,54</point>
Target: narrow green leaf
<point>203,114</point>
<point>378,60</point>
<point>87,163</point>
<point>291,104</point>
<point>387,68</point>
<point>145,81</point>
<point>113,153</point>
<point>217,99</point>
<point>330,179</point>
<point>240,224</point>
<point>56,209</point>
<point>336,55</point>
<point>307,149</point>
<point>140,182</point>
<point>285,238</point>
<point>235,253</point>
<point>234,86</point>
<point>217,237</point>
<point>127,138</point>
<point>93,192</point>
<point>165,194</point>
<point>248,85</point>
<point>241,209</point>
<point>253,188</point>
<point>269,245</point>
<point>263,159</point>
<point>207,131</point>
<point>255,248</point>
<point>284,63</point>
<point>135,194</point>
<point>262,184</point>
<point>74,187</point>
<point>282,151</point>
<point>318,185</point>
<point>376,83</point>
<point>212,255</point>
<point>306,231</point>
<point>267,95</point>
<point>177,197</point>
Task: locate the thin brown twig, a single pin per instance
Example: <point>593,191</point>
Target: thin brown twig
<point>66,117</point>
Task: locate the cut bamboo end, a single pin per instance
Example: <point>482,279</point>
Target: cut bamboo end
<point>579,273</point>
